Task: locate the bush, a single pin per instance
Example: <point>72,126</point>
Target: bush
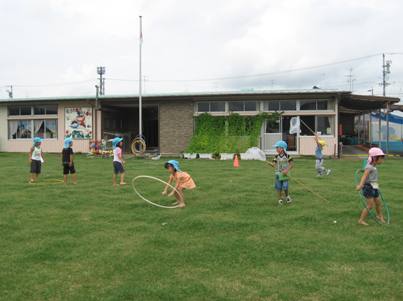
<point>227,134</point>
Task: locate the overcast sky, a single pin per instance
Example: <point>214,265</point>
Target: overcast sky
<point>52,47</point>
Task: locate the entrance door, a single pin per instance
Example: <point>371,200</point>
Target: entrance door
<point>273,131</point>
<point>291,139</point>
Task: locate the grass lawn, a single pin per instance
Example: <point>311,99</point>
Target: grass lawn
<point>232,242</point>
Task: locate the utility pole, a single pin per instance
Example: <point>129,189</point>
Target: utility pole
<point>101,72</point>
<point>350,80</point>
<point>10,91</point>
<point>385,73</point>
<point>140,80</point>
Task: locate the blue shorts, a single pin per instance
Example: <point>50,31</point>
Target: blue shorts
<point>118,167</point>
<point>280,185</point>
<point>369,192</point>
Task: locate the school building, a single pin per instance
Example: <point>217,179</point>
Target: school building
<point>168,119</point>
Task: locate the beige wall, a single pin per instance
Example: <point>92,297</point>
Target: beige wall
<point>176,126</point>
<point>307,145</point>
<point>49,145</point>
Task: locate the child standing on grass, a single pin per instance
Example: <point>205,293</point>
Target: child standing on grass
<point>182,181</point>
<point>118,161</point>
<point>36,159</point>
<point>282,163</point>
<point>369,185</point>
<point>67,161</point>
<point>320,169</point>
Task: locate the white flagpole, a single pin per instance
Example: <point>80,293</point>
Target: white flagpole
<point>140,82</point>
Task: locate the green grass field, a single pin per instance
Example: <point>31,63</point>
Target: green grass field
<point>232,242</point>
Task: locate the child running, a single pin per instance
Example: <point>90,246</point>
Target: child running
<point>118,161</point>
<point>182,181</point>
<point>282,163</point>
<point>36,159</point>
<point>320,169</point>
<point>68,161</point>
<point>370,187</point>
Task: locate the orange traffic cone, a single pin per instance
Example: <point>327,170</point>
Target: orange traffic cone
<point>236,161</point>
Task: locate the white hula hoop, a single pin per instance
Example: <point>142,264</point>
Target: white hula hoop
<point>159,180</point>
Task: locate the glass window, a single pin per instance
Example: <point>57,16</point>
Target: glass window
<point>307,121</point>
<point>40,110</point>
<point>19,129</point>
<point>25,111</point>
<point>307,105</point>
<point>51,128</point>
<point>39,128</point>
<point>203,107</point>
<point>325,125</point>
<point>288,105</point>
<point>273,126</point>
<point>236,106</point>
<point>322,105</point>
<point>272,105</point>
<point>12,111</point>
<point>51,109</point>
<point>217,106</point>
<point>250,106</point>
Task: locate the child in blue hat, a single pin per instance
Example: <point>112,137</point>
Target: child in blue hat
<point>282,163</point>
<point>35,159</point>
<point>118,161</point>
<point>68,161</point>
<point>182,181</point>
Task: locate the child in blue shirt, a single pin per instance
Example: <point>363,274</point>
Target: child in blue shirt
<point>320,169</point>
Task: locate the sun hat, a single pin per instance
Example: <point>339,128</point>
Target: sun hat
<point>281,144</point>
<point>174,163</point>
<point>322,142</point>
<point>374,152</point>
<point>37,140</point>
<point>116,141</point>
<point>67,142</point>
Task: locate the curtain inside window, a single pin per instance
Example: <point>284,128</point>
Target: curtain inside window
<point>12,129</point>
<point>39,126</point>
<point>51,129</point>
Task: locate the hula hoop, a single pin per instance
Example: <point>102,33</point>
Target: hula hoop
<point>161,181</point>
<point>48,182</point>
<point>371,213</point>
<point>141,146</point>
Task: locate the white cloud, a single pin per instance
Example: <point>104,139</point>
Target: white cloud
<point>50,41</point>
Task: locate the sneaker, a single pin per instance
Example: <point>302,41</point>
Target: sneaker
<point>328,172</point>
<point>280,202</point>
<point>289,200</point>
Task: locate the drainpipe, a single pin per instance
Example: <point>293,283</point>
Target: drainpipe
<point>387,127</point>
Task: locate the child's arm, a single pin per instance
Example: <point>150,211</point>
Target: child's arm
<point>120,156</point>
<point>290,166</point>
<point>316,138</point>
<point>362,181</point>
<point>30,154</point>
<point>164,192</point>
<point>174,190</point>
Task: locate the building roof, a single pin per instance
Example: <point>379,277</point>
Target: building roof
<point>177,95</point>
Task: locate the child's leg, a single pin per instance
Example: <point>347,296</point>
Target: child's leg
<point>33,177</point>
<point>378,208</point>
<point>319,167</point>
<point>74,178</point>
<point>365,211</point>
<point>122,178</point>
<point>114,179</point>
<point>180,198</point>
<point>65,179</point>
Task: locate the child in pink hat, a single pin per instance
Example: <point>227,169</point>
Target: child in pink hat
<point>369,185</point>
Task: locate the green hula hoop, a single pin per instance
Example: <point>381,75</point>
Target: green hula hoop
<point>385,208</point>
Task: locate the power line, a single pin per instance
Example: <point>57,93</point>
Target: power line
<point>53,84</point>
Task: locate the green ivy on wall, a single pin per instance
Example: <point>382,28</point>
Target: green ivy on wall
<point>227,134</point>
